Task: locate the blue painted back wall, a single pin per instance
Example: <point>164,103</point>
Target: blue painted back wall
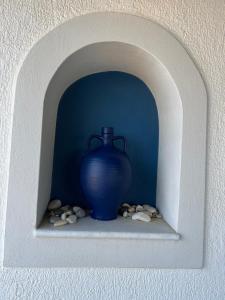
<point>114,99</point>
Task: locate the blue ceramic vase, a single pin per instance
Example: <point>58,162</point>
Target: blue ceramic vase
<point>105,175</point>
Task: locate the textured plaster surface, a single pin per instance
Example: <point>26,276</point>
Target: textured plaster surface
<point>199,25</point>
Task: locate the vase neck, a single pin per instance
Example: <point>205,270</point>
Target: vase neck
<point>107,135</point>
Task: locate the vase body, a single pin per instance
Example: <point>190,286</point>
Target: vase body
<point>105,176</point>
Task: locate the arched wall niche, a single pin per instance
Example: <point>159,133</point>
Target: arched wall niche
<point>86,45</point>
<point>138,62</point>
<point>100,57</point>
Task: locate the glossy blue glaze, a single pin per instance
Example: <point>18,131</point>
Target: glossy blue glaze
<point>113,98</point>
<point>105,176</point>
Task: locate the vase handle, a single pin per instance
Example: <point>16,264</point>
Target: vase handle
<point>124,141</point>
<point>94,136</point>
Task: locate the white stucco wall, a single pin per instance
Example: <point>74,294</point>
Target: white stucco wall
<point>199,25</point>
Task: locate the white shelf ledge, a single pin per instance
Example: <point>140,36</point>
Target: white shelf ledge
<point>120,228</point>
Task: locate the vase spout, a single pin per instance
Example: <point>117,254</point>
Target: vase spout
<point>107,134</point>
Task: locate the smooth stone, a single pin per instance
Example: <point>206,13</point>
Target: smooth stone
<point>81,213</point>
<point>131,209</point>
<point>53,219</point>
<point>60,223</point>
<point>76,208</point>
<point>69,211</point>
<point>54,204</point>
<point>154,214</point>
<point>126,205</point>
<point>150,208</point>
<point>141,216</point>
<point>71,219</point>
<point>139,208</point>
<point>65,208</point>
<point>66,214</point>
<point>148,213</point>
<point>125,214</point>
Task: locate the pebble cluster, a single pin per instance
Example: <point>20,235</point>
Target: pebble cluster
<point>61,215</point>
<point>144,213</point>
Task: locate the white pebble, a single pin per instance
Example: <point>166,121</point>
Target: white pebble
<point>126,205</point>
<point>139,208</point>
<point>80,213</point>
<point>150,208</point>
<point>141,216</point>
<point>71,219</point>
<point>158,216</point>
<point>148,213</point>
<point>65,208</point>
<point>54,204</point>
<point>76,208</point>
<point>53,219</point>
<point>125,214</point>
<point>60,223</point>
<point>131,209</point>
<point>65,215</point>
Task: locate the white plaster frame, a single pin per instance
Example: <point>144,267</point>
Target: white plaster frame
<point>84,45</point>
